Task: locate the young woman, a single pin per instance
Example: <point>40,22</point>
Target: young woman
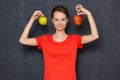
<point>60,49</point>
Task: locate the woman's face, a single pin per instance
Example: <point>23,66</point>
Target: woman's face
<point>60,21</point>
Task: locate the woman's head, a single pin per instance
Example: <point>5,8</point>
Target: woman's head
<point>60,8</point>
<point>60,17</point>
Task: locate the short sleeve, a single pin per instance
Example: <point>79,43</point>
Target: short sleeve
<point>79,40</point>
<point>39,40</point>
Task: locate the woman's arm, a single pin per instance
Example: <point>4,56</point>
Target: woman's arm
<point>94,32</point>
<point>24,37</point>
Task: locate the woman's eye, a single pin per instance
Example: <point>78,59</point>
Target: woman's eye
<point>63,19</point>
<point>56,19</point>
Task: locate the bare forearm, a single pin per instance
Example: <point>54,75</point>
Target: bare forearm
<point>26,30</point>
<point>94,32</point>
<point>93,27</point>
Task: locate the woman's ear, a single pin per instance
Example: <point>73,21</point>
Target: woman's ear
<point>67,20</point>
<point>52,20</point>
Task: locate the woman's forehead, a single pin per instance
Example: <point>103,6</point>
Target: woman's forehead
<point>58,14</point>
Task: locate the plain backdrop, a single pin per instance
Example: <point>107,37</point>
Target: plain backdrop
<point>99,60</point>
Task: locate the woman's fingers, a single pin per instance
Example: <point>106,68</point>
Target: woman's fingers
<point>78,7</point>
<point>80,13</point>
<point>37,14</point>
<point>81,10</point>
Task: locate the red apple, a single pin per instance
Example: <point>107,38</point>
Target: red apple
<point>77,20</point>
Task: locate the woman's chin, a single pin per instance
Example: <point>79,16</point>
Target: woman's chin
<point>60,29</point>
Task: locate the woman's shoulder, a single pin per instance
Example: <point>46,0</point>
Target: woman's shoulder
<point>74,35</point>
<point>44,35</point>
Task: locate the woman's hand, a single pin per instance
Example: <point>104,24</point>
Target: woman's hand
<point>37,14</point>
<point>81,10</point>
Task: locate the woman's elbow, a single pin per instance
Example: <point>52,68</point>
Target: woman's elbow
<point>96,37</point>
<point>21,41</point>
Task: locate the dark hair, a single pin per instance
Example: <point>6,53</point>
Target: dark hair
<point>60,8</point>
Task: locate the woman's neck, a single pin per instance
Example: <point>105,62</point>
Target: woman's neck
<point>60,36</point>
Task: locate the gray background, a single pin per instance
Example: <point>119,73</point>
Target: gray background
<point>98,60</point>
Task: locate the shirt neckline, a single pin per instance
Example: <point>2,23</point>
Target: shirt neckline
<point>50,37</point>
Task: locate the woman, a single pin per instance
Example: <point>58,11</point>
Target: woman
<point>60,49</point>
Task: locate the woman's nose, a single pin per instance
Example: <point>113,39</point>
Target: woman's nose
<point>60,22</point>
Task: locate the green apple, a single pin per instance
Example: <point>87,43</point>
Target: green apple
<point>42,20</point>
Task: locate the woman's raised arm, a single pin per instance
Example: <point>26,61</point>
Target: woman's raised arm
<point>94,32</point>
<point>24,37</point>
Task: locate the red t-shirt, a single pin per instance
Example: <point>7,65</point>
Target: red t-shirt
<point>59,57</point>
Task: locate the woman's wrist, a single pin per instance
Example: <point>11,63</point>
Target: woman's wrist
<point>88,13</point>
<point>31,20</point>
